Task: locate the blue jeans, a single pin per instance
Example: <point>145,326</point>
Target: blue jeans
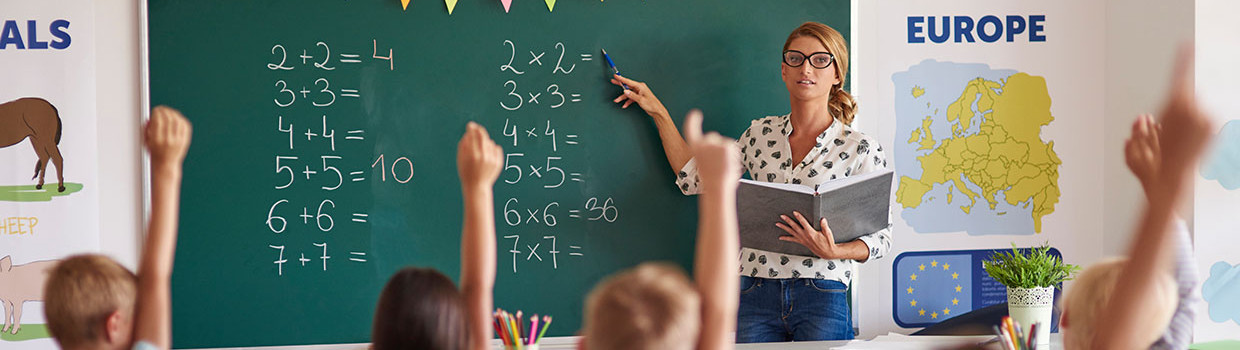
<point>799,309</point>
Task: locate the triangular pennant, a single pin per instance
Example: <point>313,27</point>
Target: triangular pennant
<point>507,4</point>
<point>550,5</point>
<point>404,5</point>
<point>451,5</point>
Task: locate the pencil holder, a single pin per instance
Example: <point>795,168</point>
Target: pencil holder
<point>1028,306</point>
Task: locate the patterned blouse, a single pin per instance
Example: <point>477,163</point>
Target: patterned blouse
<point>840,152</point>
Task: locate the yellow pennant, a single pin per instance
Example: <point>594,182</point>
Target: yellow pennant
<point>404,5</point>
<point>507,4</point>
<point>550,5</point>
<point>451,5</point>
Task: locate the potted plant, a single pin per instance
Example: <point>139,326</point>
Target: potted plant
<point>1031,278</point>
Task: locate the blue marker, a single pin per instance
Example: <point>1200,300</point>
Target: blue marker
<point>613,67</point>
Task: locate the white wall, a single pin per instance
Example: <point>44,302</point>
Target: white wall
<point>1141,41</point>
<point>118,106</point>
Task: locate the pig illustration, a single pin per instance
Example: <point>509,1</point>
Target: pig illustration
<point>19,284</point>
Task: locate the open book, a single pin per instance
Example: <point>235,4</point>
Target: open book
<point>854,206</point>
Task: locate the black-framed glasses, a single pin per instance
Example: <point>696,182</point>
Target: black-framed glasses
<point>820,60</point>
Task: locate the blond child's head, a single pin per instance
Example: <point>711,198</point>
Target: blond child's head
<point>651,306</point>
<point>89,302</point>
<point>1091,293</point>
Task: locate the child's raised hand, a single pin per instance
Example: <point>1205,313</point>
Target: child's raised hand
<point>167,135</point>
<point>478,157</point>
<point>716,155</point>
<point>1185,128</point>
<point>1142,152</point>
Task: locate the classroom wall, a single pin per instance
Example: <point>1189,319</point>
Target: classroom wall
<point>1141,39</point>
<point>118,103</point>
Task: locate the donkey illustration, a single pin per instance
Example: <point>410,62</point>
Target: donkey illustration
<point>40,121</point>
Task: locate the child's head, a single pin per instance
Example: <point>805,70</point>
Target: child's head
<point>1091,293</point>
<point>652,306</point>
<point>419,309</point>
<point>89,302</point>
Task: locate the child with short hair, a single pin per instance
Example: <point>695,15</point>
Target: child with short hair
<point>655,306</point>
<point>92,302</point>
<point>423,314</point>
<point>1136,314</point>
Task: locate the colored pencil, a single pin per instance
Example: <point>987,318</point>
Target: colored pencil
<point>1000,337</point>
<point>533,329</point>
<point>1033,333</point>
<point>546,324</point>
<point>520,326</point>
<point>1020,336</point>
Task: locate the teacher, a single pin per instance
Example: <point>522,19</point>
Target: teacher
<point>789,297</point>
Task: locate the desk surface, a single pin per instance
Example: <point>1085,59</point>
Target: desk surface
<point>891,341</point>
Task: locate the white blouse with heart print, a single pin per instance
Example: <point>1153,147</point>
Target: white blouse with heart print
<point>840,152</point>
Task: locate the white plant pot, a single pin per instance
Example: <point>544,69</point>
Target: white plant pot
<point>1028,306</point>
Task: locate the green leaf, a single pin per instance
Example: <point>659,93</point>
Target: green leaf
<point>1037,268</point>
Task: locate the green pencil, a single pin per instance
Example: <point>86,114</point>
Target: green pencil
<point>546,324</point>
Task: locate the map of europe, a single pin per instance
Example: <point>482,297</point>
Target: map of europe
<point>969,150</point>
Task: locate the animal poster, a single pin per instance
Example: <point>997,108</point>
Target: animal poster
<point>49,202</point>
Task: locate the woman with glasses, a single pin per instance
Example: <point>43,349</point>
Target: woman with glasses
<point>812,144</point>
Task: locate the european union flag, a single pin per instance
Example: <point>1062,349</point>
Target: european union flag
<point>932,287</point>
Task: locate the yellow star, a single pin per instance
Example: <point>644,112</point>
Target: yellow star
<point>921,267</point>
<point>921,312</point>
<point>934,315</point>
<point>946,266</point>
<point>955,275</point>
<point>910,290</point>
<point>934,263</point>
<point>957,288</point>
<point>955,301</point>
<point>913,277</point>
<point>912,303</point>
<point>946,311</point>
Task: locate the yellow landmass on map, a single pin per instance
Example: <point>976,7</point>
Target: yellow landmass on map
<point>1005,154</point>
<point>918,91</point>
<point>923,136</point>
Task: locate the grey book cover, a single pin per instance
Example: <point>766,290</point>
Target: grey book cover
<point>854,206</point>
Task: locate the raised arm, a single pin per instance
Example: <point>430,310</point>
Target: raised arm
<point>715,265</point>
<point>1185,133</point>
<point>478,164</point>
<point>674,146</point>
<point>167,137</point>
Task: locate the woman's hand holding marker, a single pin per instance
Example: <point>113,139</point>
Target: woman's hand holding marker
<point>639,93</point>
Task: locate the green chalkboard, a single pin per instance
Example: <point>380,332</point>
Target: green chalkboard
<point>325,133</point>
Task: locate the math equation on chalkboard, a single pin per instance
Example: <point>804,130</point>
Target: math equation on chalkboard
<point>540,77</point>
<point>308,160</point>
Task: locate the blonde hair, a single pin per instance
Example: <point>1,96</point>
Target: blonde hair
<point>842,104</point>
<point>1091,293</point>
<point>652,306</point>
<point>81,293</point>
